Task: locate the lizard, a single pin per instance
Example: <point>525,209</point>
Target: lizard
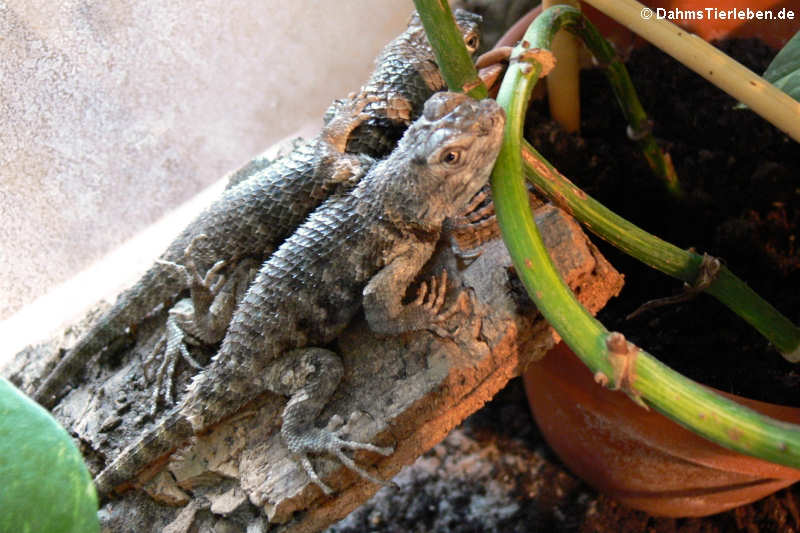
<point>405,76</point>
<point>266,200</point>
<point>249,219</point>
<point>360,249</point>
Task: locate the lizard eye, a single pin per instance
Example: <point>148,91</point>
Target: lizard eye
<point>451,157</point>
<point>472,42</point>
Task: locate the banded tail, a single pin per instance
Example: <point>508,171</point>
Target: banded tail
<point>168,435</point>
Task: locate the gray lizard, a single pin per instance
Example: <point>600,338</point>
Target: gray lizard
<point>364,247</point>
<point>265,202</point>
<point>249,219</point>
<point>405,76</point>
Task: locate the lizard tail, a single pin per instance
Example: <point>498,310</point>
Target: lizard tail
<point>160,441</point>
<point>159,284</point>
<point>75,359</point>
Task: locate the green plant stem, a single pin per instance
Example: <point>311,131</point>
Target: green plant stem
<point>448,46</point>
<point>617,76</point>
<point>651,250</point>
<point>629,238</point>
<point>661,255</point>
<point>625,93</point>
<point>688,403</point>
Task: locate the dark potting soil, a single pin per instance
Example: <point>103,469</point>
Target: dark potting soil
<point>741,180</point>
<point>495,473</point>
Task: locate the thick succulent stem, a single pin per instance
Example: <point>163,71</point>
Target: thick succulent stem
<point>615,362</point>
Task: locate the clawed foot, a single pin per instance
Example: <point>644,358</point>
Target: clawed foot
<point>431,301</point>
<point>172,345</point>
<point>348,114</point>
<point>203,288</point>
<point>476,226</point>
<point>200,283</point>
<point>330,441</point>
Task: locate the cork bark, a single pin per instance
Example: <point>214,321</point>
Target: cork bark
<point>405,391</point>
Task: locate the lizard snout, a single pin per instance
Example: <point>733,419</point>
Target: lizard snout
<point>493,118</point>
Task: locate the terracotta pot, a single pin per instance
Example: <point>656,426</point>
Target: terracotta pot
<point>640,457</point>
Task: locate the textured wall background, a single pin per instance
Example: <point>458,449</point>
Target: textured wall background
<point>113,112</point>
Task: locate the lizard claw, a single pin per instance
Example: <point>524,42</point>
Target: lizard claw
<point>205,281</point>
<point>323,441</point>
<point>474,211</point>
<point>430,301</point>
<point>196,281</point>
<point>173,348</point>
<point>464,303</point>
<point>341,428</point>
<point>477,225</point>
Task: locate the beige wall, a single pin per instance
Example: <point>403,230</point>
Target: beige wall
<point>114,112</point>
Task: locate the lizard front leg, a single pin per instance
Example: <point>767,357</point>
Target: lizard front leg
<point>343,117</point>
<point>201,319</point>
<point>383,296</point>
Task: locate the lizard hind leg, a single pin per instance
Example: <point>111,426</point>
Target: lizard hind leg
<point>309,376</point>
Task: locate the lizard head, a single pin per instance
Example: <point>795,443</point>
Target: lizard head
<point>468,23</point>
<point>451,149</point>
<point>470,26</point>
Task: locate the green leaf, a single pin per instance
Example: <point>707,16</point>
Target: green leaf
<point>784,71</point>
<point>44,484</point>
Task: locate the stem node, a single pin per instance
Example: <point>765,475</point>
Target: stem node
<point>622,357</point>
